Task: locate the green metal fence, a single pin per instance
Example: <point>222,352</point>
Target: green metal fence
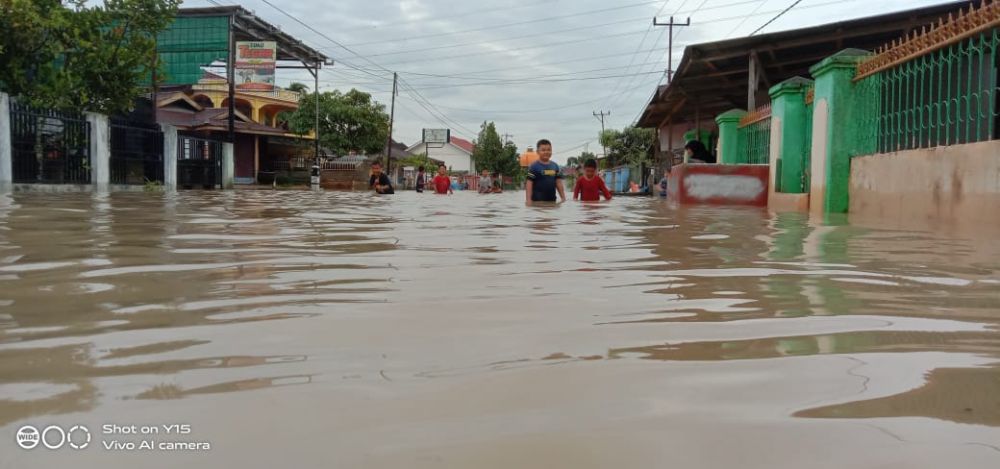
<point>756,127</point>
<point>945,97</point>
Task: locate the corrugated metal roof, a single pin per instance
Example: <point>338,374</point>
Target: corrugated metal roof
<point>713,77</point>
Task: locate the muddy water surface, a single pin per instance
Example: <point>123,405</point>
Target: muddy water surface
<point>302,329</point>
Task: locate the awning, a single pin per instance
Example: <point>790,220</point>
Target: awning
<point>714,77</point>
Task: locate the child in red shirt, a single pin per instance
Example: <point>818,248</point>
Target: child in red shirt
<point>590,186</point>
<point>442,183</point>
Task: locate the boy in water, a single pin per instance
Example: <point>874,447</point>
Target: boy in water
<point>590,186</point>
<point>442,183</point>
<point>421,179</point>
<point>544,178</point>
<point>379,180</point>
<point>485,182</point>
<point>664,182</point>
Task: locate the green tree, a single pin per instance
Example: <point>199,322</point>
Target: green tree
<point>298,87</point>
<point>631,145</point>
<point>510,164</point>
<point>495,156</point>
<point>419,160</point>
<point>68,55</point>
<point>348,121</point>
<point>488,151</point>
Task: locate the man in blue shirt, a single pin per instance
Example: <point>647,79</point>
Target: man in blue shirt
<point>544,178</point>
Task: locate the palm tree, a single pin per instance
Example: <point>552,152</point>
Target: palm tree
<point>298,87</point>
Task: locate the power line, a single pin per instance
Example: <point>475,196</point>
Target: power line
<point>745,18</point>
<point>329,39</point>
<point>538,20</point>
<point>506,79</point>
<point>494,41</point>
<point>478,11</point>
<point>581,59</point>
<point>426,104</point>
<point>538,46</point>
<point>636,53</point>
<point>528,81</point>
<point>507,25</point>
<point>776,17</point>
<point>650,53</point>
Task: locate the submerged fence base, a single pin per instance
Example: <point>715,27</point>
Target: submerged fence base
<point>951,186</point>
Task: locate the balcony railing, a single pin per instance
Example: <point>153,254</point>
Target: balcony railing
<point>277,93</point>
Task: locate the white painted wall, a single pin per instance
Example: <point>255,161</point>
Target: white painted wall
<point>100,150</point>
<point>456,158</point>
<point>730,186</point>
<point>6,156</point>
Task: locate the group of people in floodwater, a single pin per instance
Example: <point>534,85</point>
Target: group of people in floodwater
<point>545,179</point>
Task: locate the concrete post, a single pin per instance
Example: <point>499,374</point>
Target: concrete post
<point>6,148</point>
<point>831,160</point>
<point>100,150</point>
<point>169,157</point>
<point>228,166</point>
<point>788,133</point>
<point>732,145</point>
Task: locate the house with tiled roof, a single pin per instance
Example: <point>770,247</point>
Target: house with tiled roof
<point>456,154</point>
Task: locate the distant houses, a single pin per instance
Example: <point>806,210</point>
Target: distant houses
<point>456,154</point>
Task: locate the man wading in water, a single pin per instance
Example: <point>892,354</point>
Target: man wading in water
<point>379,180</point>
<point>544,178</point>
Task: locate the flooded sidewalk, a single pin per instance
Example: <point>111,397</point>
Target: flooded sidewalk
<point>329,329</point>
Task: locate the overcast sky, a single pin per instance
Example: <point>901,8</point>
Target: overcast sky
<point>538,68</point>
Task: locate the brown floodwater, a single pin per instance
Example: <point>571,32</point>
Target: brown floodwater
<point>303,329</point>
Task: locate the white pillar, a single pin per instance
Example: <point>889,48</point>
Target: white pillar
<point>228,166</point>
<point>6,149</point>
<point>169,157</point>
<point>100,150</point>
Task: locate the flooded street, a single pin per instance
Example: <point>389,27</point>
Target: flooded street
<point>302,329</point>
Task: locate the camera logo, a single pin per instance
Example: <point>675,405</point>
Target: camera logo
<point>53,437</point>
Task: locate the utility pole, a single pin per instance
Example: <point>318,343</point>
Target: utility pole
<point>392,115</point>
<point>601,116</point>
<point>316,95</point>
<point>670,43</point>
<point>506,138</point>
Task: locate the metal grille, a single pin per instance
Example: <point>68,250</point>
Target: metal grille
<point>49,146</point>
<point>199,163</point>
<point>945,97</point>
<point>757,128</point>
<point>136,152</point>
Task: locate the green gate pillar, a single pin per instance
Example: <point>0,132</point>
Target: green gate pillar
<point>788,130</point>
<point>732,142</point>
<point>831,143</point>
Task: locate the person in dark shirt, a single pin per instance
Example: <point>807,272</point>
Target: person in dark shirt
<point>696,152</point>
<point>590,186</point>
<point>380,181</point>
<point>544,178</point>
<point>421,179</point>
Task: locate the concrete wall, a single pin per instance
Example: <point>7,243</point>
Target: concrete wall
<point>957,185</point>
